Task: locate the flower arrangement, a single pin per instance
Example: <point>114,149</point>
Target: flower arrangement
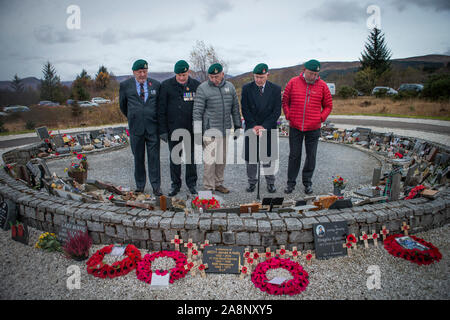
<point>212,203</point>
<point>77,247</point>
<point>144,272</point>
<point>338,181</point>
<point>421,257</point>
<point>48,242</point>
<point>290,287</point>
<point>78,167</point>
<point>97,268</point>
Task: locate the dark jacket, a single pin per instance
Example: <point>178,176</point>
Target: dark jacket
<point>141,116</point>
<point>175,105</point>
<point>263,110</point>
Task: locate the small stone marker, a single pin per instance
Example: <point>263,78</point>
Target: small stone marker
<point>374,236</point>
<point>405,228</point>
<point>309,256</point>
<point>384,232</point>
<point>365,238</point>
<point>176,241</point>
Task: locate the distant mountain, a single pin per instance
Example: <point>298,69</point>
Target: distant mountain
<point>31,82</point>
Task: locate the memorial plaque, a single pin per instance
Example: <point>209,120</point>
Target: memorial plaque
<point>328,239</point>
<point>58,141</point>
<point>84,139</point>
<point>223,259</point>
<point>42,133</point>
<point>7,214</point>
<point>95,134</point>
<point>69,230</point>
<point>20,233</point>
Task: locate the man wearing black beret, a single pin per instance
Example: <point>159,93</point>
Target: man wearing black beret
<point>175,112</point>
<point>261,108</point>
<point>138,101</point>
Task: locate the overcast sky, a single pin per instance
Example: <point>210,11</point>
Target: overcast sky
<point>244,32</point>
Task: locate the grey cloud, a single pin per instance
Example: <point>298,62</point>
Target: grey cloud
<point>49,35</point>
<point>339,11</point>
<point>437,5</point>
<point>214,8</point>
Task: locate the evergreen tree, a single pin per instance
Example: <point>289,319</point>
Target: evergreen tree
<point>51,88</point>
<point>102,78</point>
<point>376,55</point>
<point>81,85</point>
<point>17,85</point>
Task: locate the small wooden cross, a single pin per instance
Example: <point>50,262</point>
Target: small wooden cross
<point>295,253</point>
<point>244,271</point>
<point>177,241</point>
<point>205,244</point>
<point>384,232</point>
<point>282,252</point>
<point>201,268</point>
<point>365,238</point>
<point>190,266</point>
<point>195,254</point>
<point>354,245</point>
<point>255,255</point>
<point>268,253</point>
<point>309,256</point>
<point>246,253</point>
<point>349,246</point>
<point>189,245</point>
<point>405,228</point>
<point>250,263</point>
<point>374,236</point>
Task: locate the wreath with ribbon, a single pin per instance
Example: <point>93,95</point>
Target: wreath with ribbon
<point>144,271</point>
<point>291,287</point>
<point>97,268</point>
<point>414,255</point>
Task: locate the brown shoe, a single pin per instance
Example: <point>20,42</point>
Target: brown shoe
<point>222,189</point>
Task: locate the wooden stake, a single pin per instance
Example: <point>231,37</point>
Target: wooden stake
<point>365,238</point>
<point>374,236</point>
<point>177,241</point>
<point>349,246</point>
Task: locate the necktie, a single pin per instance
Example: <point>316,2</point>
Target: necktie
<point>142,92</point>
<point>261,90</point>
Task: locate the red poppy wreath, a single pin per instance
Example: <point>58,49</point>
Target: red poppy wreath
<point>290,287</point>
<point>412,248</point>
<point>97,268</point>
<point>144,268</point>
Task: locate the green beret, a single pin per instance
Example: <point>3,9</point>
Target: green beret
<point>140,64</point>
<point>181,67</point>
<point>313,65</point>
<point>261,68</point>
<point>215,68</point>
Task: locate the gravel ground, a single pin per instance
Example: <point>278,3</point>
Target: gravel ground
<point>30,273</point>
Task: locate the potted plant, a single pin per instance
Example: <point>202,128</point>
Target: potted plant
<point>78,171</point>
<point>203,204</point>
<point>77,247</point>
<point>339,184</point>
<point>48,242</point>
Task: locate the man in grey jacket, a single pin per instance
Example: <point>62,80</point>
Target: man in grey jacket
<point>216,105</point>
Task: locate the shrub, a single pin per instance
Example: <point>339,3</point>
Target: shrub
<point>2,128</point>
<point>381,93</point>
<point>346,92</point>
<point>77,247</point>
<point>30,125</point>
<point>437,87</point>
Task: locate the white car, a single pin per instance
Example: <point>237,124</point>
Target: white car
<point>100,100</point>
<point>15,108</point>
<point>87,104</point>
<point>389,91</point>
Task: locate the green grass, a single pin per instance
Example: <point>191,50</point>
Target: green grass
<point>394,116</point>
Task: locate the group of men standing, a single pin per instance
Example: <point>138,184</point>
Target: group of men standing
<point>156,111</point>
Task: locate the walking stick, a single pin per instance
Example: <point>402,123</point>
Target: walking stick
<point>259,171</point>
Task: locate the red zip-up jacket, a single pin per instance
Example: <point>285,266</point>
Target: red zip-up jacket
<point>305,105</point>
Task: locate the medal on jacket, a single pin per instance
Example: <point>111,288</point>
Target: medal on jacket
<point>188,96</point>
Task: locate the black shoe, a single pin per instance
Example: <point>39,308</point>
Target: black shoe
<point>192,190</point>
<point>308,190</point>
<point>138,191</point>
<point>251,188</point>
<point>157,192</point>
<point>271,188</point>
<point>289,189</point>
<point>174,191</point>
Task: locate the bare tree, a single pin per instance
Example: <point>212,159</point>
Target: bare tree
<point>201,57</point>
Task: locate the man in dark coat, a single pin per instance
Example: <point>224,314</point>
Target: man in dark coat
<point>175,112</point>
<point>138,100</point>
<point>261,108</point>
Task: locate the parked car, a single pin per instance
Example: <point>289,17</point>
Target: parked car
<point>100,100</point>
<point>415,87</point>
<point>46,103</point>
<point>15,108</point>
<point>389,91</point>
<point>3,114</point>
<point>70,102</point>
<point>87,104</point>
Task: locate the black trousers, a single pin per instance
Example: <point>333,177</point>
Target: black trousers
<point>138,145</point>
<point>191,167</point>
<point>296,138</point>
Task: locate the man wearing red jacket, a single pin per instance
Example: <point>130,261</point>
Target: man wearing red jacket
<point>306,104</point>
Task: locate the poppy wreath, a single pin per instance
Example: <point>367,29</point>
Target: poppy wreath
<point>420,257</point>
<point>290,287</point>
<point>97,268</point>
<point>144,267</point>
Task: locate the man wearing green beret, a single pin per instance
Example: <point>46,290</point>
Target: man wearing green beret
<point>138,101</point>
<point>175,112</point>
<point>306,104</point>
<point>261,108</point>
<point>216,108</point>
